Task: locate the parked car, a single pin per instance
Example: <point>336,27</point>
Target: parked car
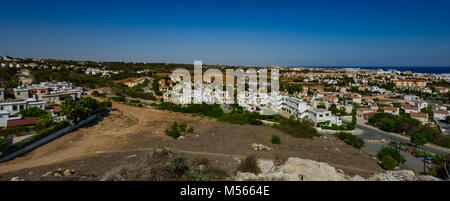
<point>429,161</point>
<point>417,155</point>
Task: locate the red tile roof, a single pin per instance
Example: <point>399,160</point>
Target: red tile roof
<point>26,121</point>
<point>440,111</point>
<point>390,108</point>
<point>409,107</point>
<point>419,115</point>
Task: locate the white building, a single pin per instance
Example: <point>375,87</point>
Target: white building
<point>295,106</point>
<point>439,115</point>
<point>322,116</point>
<point>14,106</point>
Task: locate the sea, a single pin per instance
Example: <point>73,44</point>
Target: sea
<point>415,69</point>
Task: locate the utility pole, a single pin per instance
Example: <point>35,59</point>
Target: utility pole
<point>424,167</point>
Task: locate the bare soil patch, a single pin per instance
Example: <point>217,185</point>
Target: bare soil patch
<point>128,130</point>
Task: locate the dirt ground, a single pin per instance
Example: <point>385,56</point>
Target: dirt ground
<point>129,131</point>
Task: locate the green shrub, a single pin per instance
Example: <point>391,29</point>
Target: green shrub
<point>388,162</point>
<point>190,130</point>
<point>250,164</point>
<point>351,139</point>
<point>177,164</point>
<point>173,132</point>
<point>119,99</point>
<point>275,139</point>
<point>199,173</point>
<point>33,112</point>
<point>394,153</point>
<point>297,128</point>
<point>182,126</point>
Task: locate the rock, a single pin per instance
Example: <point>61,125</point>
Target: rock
<point>59,169</point>
<point>261,147</point>
<point>132,156</point>
<point>266,165</point>
<point>358,178</point>
<point>294,169</point>
<point>67,172</point>
<point>427,178</point>
<point>400,175</point>
<point>297,169</point>
<point>47,174</point>
<point>311,170</point>
<point>180,138</point>
<point>15,179</point>
<point>57,174</point>
<point>30,173</point>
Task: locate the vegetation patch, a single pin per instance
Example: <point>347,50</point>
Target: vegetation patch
<point>275,139</point>
<point>351,139</point>
<point>249,164</point>
<point>409,126</point>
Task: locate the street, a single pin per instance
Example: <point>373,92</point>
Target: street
<point>373,138</point>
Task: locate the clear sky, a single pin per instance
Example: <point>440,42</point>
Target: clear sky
<point>332,33</point>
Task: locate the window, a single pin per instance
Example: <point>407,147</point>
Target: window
<point>321,115</point>
<point>21,107</point>
<point>1,108</point>
<point>18,93</point>
<point>14,107</point>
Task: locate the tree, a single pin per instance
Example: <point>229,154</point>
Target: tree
<point>33,112</point>
<point>4,143</point>
<point>418,139</point>
<point>388,125</point>
<point>388,162</point>
<point>394,153</point>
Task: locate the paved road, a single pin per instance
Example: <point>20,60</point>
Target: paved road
<point>367,132</point>
<point>371,134</point>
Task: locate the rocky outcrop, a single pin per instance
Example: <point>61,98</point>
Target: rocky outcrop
<point>297,169</point>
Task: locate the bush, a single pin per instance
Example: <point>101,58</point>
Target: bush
<point>177,164</point>
<point>351,139</point>
<point>182,127</point>
<point>160,165</point>
<point>173,132</point>
<point>33,112</point>
<point>199,173</point>
<point>388,162</point>
<point>190,130</point>
<point>394,153</point>
<point>250,164</point>
<point>119,99</point>
<point>297,128</point>
<point>275,139</point>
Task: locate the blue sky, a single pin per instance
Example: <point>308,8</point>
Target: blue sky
<point>331,33</point>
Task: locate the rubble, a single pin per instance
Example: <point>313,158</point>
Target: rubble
<point>261,147</point>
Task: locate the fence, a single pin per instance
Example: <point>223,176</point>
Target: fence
<point>48,138</point>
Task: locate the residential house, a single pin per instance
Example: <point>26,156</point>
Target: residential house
<point>322,116</point>
<point>422,117</point>
<point>361,111</point>
<point>391,110</point>
<point>439,115</point>
<point>409,108</point>
<point>441,89</point>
